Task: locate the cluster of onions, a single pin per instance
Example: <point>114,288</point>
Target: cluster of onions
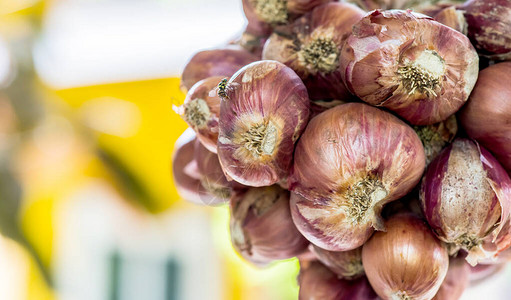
<point>333,133</point>
<point>311,46</point>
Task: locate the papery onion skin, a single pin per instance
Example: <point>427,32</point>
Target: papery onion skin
<point>418,68</point>
<point>489,27</point>
<point>317,282</point>
<point>186,175</point>
<point>406,261</point>
<point>350,161</point>
<point>486,117</point>
<point>265,110</point>
<point>346,264</point>
<point>453,18</point>
<point>466,196</point>
<point>201,109</point>
<point>217,62</point>
<point>212,177</point>
<point>261,227</point>
<point>456,280</point>
<point>435,137</point>
<point>311,47</point>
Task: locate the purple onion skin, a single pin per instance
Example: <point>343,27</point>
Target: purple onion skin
<point>384,46</point>
<point>261,227</point>
<point>267,95</point>
<point>489,26</point>
<point>217,62</point>
<point>485,118</point>
<point>432,200</point>
<point>317,282</point>
<point>212,177</point>
<point>456,280</point>
<point>343,148</point>
<point>345,264</point>
<point>186,175</point>
<point>335,17</point>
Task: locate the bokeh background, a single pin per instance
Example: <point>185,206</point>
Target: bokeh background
<point>87,204</point>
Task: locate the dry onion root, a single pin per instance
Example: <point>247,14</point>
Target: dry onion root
<point>409,63</point>
<point>201,109</point>
<point>264,110</point>
<point>277,12</point>
<point>350,161</point>
<point>317,282</point>
<point>311,46</point>
<point>435,137</point>
<point>261,227</point>
<point>405,262</point>
<point>466,198</point>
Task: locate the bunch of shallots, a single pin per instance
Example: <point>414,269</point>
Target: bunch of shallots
<point>375,146</point>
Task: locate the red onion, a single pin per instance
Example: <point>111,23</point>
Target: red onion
<point>486,117</point>
<point>346,264</point>
<point>406,261</point>
<point>261,225</point>
<point>317,282</point>
<point>489,27</point>
<point>311,47</point>
<point>456,280</point>
<point>435,137</point>
<point>201,109</point>
<point>409,63</point>
<point>466,198</point>
<point>264,111</point>
<point>350,161</point>
<point>217,62</point>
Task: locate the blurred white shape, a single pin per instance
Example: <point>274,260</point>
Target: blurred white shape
<point>105,249</point>
<point>6,65</point>
<point>13,270</point>
<point>495,288</point>
<point>86,43</point>
<point>112,116</point>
